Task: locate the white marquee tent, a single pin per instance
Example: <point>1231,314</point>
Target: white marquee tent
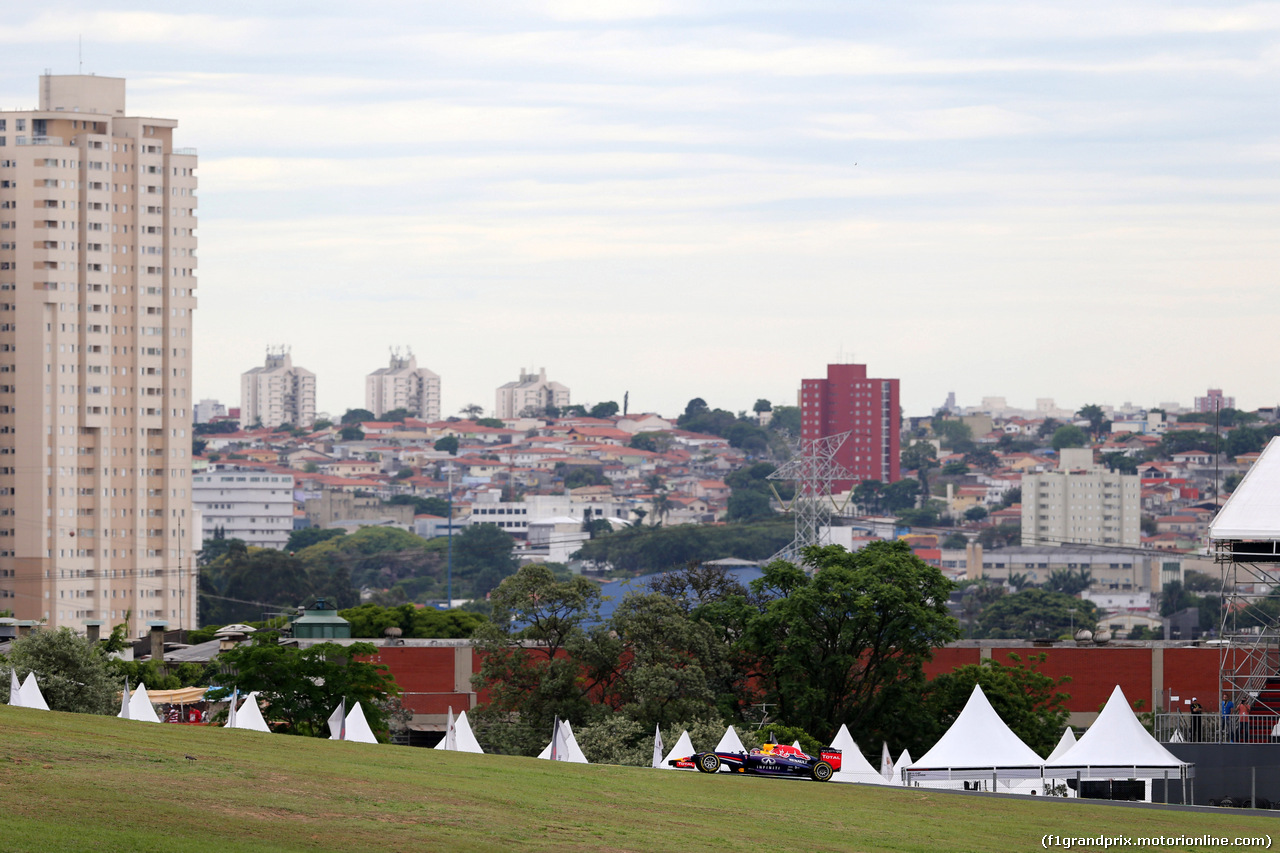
<point>350,725</point>
<point>458,736</point>
<point>248,716</point>
<point>978,746</point>
<point>730,742</point>
<point>854,766</point>
<point>27,694</point>
<point>1117,746</point>
<point>138,706</point>
<point>903,762</point>
<point>682,749</point>
<point>568,746</point>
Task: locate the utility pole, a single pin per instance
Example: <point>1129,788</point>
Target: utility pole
<point>449,570</point>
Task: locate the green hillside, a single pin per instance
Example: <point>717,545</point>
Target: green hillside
<point>78,782</point>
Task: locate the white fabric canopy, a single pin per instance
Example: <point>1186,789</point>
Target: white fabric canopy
<point>657,746</point>
<point>139,707</point>
<point>886,762</point>
<point>249,716</point>
<point>730,742</point>
<point>1067,741</point>
<point>682,749</point>
<point>1117,745</point>
<point>903,762</point>
<point>1253,510</point>
<point>463,739</point>
<point>357,728</point>
<point>854,766</point>
<point>572,752</point>
<point>124,702</point>
<point>335,721</point>
<point>977,746</point>
<point>15,690</point>
<point>31,695</point>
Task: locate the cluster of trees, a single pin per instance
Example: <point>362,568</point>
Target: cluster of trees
<point>302,686</point>
<point>742,431</point>
<point>644,549</point>
<point>240,583</point>
<point>841,640</point>
<point>752,492</point>
<point>373,620</point>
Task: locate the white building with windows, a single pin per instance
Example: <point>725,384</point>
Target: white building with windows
<point>1081,503</point>
<point>245,503</point>
<point>403,385</point>
<point>531,394</point>
<point>278,393</point>
<point>515,517</point>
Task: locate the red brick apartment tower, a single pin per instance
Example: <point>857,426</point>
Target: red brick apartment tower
<point>866,408</point>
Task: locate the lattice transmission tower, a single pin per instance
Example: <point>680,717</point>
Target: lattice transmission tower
<point>814,469</point>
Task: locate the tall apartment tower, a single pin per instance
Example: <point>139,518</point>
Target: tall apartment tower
<point>1213,401</point>
<point>1081,503</point>
<point>278,393</point>
<point>403,385</point>
<point>531,394</point>
<point>848,401</point>
<point>97,291</point>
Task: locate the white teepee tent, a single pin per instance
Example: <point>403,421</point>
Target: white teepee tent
<point>682,749</point>
<point>978,746</point>
<point>462,739</point>
<point>567,746</point>
<point>657,746</point>
<point>15,690</point>
<point>904,761</point>
<point>350,725</point>
<point>124,702</point>
<point>249,716</point>
<point>358,728</point>
<point>730,742</point>
<point>854,766</point>
<point>31,695</point>
<point>1117,746</point>
<point>1067,741</point>
<point>139,707</point>
<point>886,762</point>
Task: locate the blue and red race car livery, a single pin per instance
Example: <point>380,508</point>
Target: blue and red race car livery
<point>769,760</point>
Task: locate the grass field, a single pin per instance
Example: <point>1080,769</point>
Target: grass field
<point>77,782</point>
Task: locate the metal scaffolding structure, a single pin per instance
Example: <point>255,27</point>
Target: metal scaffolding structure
<point>814,469</point>
<point>1249,634</point>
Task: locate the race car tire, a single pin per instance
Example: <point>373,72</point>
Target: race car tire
<point>822,772</point>
<point>709,763</point>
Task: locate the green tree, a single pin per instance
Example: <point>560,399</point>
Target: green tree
<point>604,410</point>
<point>839,645</point>
<point>447,444</point>
<point>869,494</point>
<point>1069,435</point>
<point>1028,701</point>
<point>1033,613</point>
<point>492,423</point>
<point>532,652</point>
<point>351,433</point>
<point>951,432</point>
<point>1047,427</point>
<point>762,405</point>
<point>471,411</point>
<point>482,557</point>
<point>421,505</point>
<point>786,419</point>
<point>371,620</point>
<point>357,416</point>
<point>975,513</point>
<point>1096,417</point>
<point>72,672</point>
<point>396,415</point>
<point>749,505</point>
<point>920,457</point>
<point>901,495</point>
<point>304,686</point>
<point>308,536</point>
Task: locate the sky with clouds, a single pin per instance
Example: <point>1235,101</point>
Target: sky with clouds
<point>680,198</point>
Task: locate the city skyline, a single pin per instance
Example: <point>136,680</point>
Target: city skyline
<point>704,200</point>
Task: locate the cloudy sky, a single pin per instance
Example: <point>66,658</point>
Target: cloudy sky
<point>679,198</point>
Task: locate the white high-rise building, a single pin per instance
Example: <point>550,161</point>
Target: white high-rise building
<point>403,385</point>
<point>244,503</point>
<point>97,291</point>
<point>1081,503</point>
<point>531,394</point>
<point>278,393</point>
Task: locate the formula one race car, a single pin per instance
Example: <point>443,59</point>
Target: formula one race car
<point>770,760</point>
